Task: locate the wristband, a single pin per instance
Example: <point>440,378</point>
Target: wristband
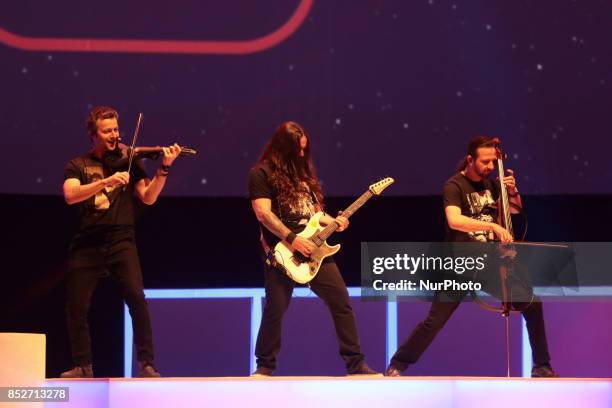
<point>290,237</point>
<point>165,168</point>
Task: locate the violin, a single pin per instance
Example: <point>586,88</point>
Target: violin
<point>154,152</point>
<point>122,157</point>
<point>119,158</point>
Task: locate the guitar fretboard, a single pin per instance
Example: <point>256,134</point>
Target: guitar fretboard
<point>351,209</point>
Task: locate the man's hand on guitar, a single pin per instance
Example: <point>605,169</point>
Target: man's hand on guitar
<point>303,245</point>
<point>342,222</point>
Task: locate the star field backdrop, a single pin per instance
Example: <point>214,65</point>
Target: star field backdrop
<point>383,88</point>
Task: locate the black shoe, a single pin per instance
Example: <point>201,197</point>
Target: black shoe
<point>364,369</point>
<point>147,370</point>
<point>543,371</point>
<point>263,372</point>
<point>78,372</point>
<point>392,371</point>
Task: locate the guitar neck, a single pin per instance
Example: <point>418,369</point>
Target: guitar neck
<point>350,210</point>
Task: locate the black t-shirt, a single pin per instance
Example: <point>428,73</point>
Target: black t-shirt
<point>296,217</point>
<point>477,200</point>
<point>113,206</point>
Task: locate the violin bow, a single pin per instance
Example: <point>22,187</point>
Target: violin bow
<point>132,149</point>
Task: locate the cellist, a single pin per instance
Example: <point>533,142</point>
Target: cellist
<point>470,197</point>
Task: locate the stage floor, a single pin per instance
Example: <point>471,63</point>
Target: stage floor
<point>366,391</point>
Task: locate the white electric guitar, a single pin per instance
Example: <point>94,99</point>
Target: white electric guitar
<point>303,269</point>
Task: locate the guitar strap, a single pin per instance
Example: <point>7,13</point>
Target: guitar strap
<point>268,252</point>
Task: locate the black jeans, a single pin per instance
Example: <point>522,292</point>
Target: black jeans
<point>441,310</point>
<point>329,286</point>
<point>92,257</point>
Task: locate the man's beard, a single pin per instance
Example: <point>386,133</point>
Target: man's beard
<point>484,174</point>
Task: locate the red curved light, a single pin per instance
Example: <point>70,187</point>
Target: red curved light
<point>161,46</point>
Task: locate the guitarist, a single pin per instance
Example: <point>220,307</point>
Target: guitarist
<point>468,197</point>
<point>284,193</point>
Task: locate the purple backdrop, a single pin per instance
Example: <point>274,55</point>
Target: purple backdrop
<point>389,87</point>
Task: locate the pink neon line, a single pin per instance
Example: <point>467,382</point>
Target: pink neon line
<point>161,46</point>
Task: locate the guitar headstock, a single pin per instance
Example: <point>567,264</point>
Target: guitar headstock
<point>379,186</point>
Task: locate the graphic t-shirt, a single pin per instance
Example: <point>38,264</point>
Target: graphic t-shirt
<point>477,200</point>
<point>113,205</point>
<point>296,217</point>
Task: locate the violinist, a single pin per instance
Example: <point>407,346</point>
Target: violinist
<point>99,184</point>
<point>469,204</point>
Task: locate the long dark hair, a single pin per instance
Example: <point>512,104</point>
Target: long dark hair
<point>289,169</point>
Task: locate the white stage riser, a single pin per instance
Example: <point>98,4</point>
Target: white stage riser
<point>298,392</point>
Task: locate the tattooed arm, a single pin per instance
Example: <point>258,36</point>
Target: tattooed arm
<point>263,211</point>
<point>264,214</point>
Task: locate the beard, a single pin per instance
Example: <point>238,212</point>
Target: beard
<point>484,173</point>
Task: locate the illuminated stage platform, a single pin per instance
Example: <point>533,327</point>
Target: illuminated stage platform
<point>296,392</point>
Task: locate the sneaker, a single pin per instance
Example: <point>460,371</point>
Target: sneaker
<point>364,369</point>
<point>78,372</point>
<point>263,372</point>
<point>392,371</point>
<point>543,371</point>
<point>147,370</point>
